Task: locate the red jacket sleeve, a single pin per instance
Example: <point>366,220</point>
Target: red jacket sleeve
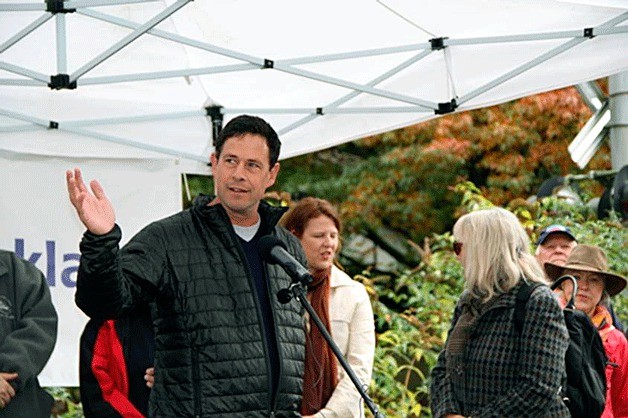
<point>616,348</point>
<point>104,381</point>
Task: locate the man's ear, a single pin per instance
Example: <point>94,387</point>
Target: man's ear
<point>273,175</point>
<point>213,159</point>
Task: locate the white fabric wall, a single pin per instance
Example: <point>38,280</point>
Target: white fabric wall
<point>38,222</point>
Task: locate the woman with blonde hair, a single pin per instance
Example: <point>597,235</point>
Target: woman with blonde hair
<point>343,306</point>
<point>486,367</point>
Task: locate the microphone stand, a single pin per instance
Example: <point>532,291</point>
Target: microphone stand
<point>297,291</point>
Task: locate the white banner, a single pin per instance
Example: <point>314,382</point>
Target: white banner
<point>38,223</point>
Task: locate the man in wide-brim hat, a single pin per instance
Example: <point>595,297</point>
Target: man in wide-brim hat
<point>587,263</point>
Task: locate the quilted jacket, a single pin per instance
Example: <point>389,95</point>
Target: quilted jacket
<point>211,358</point>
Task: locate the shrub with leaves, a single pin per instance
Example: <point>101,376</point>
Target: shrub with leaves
<point>413,312</point>
<point>413,309</point>
<point>67,402</point>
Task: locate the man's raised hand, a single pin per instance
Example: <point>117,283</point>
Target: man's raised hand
<point>94,209</point>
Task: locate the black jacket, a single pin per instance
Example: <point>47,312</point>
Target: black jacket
<point>28,331</point>
<point>114,357</point>
<point>211,358</point>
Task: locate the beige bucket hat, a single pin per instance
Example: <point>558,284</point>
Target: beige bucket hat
<point>589,258</point>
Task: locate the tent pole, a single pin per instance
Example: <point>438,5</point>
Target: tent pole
<point>141,30</point>
<point>62,61</point>
<point>24,32</point>
<point>353,94</point>
<point>618,97</point>
<point>216,115</point>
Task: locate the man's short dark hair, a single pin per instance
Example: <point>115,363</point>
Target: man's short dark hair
<point>246,124</point>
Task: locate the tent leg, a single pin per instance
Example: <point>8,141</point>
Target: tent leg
<point>618,96</point>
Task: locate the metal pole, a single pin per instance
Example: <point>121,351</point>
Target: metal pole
<point>618,98</point>
<point>299,293</point>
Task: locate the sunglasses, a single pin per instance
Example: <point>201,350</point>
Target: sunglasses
<point>457,247</point>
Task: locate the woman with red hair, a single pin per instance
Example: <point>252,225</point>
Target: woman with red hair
<point>343,306</point>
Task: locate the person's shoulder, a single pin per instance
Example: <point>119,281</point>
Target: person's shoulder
<point>283,233</point>
<point>617,338</point>
<point>5,261</point>
<point>175,218</point>
<point>289,238</point>
<point>541,292</point>
<point>5,256</point>
<point>543,298</point>
<point>347,288</point>
<point>340,278</point>
<point>8,259</point>
<point>616,347</point>
<point>168,223</point>
<point>14,265</point>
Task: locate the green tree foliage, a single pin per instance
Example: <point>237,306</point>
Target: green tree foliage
<point>413,309</point>
<point>67,402</point>
<point>403,180</point>
<point>412,313</point>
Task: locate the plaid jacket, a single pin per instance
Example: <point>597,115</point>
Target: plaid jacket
<point>504,374</point>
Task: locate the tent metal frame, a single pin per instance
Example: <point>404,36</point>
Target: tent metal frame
<point>590,138</point>
<point>60,8</point>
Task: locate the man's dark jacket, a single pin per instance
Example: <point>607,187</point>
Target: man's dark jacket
<point>211,357</point>
<point>28,331</point>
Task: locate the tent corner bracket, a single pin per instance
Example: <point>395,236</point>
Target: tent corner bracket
<point>438,43</point>
<point>61,81</point>
<point>216,115</point>
<point>446,107</point>
<point>56,6</point>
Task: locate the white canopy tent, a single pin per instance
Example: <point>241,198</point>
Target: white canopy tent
<point>142,78</point>
<point>131,89</point>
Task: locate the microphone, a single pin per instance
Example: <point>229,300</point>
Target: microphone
<point>273,251</point>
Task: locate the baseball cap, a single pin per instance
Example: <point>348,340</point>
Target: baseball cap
<point>552,229</point>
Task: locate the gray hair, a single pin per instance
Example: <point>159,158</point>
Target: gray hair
<point>496,252</point>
